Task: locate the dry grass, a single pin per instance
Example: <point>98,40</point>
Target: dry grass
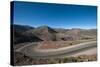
<point>24,60</point>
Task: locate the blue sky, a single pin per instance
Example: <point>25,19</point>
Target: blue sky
<point>55,15</point>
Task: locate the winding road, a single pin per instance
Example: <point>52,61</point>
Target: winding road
<point>86,48</point>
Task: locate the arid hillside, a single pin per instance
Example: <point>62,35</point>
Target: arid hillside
<point>27,39</point>
<point>44,33</point>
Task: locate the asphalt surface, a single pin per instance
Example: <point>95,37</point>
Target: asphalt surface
<point>87,48</point>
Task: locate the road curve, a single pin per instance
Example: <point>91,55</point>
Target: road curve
<point>29,50</point>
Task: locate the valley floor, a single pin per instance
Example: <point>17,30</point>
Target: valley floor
<point>81,55</point>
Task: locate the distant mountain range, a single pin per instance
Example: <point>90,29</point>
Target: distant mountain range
<point>22,27</point>
<point>24,33</point>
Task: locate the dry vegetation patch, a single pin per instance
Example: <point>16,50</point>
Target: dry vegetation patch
<point>21,59</point>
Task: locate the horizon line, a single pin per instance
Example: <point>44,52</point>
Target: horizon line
<point>57,27</point>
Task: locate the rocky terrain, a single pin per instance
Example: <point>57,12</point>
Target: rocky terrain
<point>50,38</point>
<point>21,59</point>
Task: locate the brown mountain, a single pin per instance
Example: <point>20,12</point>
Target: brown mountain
<point>44,32</point>
<point>76,34</point>
<point>19,35</point>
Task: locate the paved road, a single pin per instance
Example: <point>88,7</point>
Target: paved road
<point>25,46</point>
<point>79,49</point>
<point>88,51</point>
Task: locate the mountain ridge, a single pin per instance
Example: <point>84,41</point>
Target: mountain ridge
<point>46,33</point>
